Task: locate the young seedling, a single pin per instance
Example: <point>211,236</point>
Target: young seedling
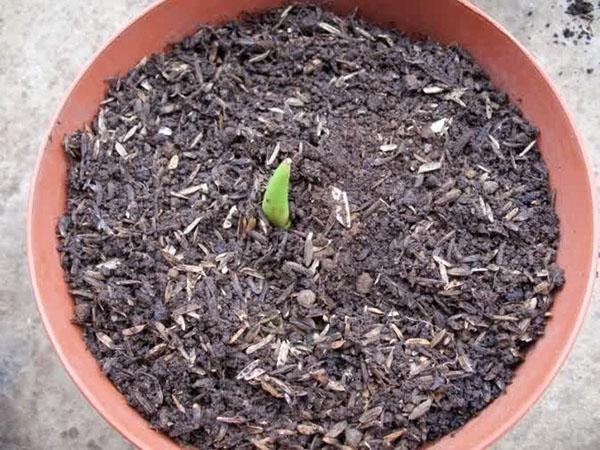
<point>275,201</point>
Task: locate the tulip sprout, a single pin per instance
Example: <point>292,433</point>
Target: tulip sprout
<point>275,201</point>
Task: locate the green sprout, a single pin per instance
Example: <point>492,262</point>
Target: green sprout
<point>275,201</point>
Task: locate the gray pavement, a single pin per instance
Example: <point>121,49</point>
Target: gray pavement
<point>43,45</point>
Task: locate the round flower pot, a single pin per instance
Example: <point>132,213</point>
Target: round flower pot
<point>510,67</point>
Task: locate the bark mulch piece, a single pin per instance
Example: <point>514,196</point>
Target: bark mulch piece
<point>418,269</point>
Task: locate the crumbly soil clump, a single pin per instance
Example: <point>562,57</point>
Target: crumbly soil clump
<point>418,269</point>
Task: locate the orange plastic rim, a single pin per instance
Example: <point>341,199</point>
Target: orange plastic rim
<point>449,21</point>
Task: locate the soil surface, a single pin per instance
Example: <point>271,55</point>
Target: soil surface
<point>418,269</point>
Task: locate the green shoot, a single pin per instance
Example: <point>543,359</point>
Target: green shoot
<point>275,201</point>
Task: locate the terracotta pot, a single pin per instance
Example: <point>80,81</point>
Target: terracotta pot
<point>511,68</point>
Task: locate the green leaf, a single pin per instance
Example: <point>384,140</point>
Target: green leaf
<point>275,201</point>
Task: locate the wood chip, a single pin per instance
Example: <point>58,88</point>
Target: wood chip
<point>309,428</point>
<point>283,352</point>
<point>130,133</point>
<point>228,222</point>
<point>388,147</point>
<point>371,414</point>
<point>335,386</point>
<point>433,90</point>
<point>342,208</point>
<point>459,271</point>
<point>106,340</point>
<point>235,420</point>
<point>192,225</point>
<point>173,162</point>
<point>243,374</point>
<point>262,444</point>
<point>465,363</point>
<point>394,435</point>
<point>178,404</point>
<point>133,330</point>
<point>271,159</point>
<point>495,146</point>
<point>192,190</point>
<point>121,149</point>
<point>528,148</point>
<point>329,28</point>
<point>439,126</point>
<point>308,249</point>
<point>337,429</point>
<point>430,167</point>
<point>256,347</point>
<point>420,410</point>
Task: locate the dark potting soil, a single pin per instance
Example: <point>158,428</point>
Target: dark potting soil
<point>418,269</point>
<point>579,8</point>
<point>578,27</point>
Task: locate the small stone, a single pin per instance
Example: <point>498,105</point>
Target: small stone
<point>306,298</point>
<point>353,437</point>
<point>471,173</point>
<point>489,187</point>
<point>364,282</point>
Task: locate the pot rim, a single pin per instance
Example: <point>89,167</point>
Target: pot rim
<point>515,415</point>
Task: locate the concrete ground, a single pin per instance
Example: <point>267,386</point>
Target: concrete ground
<point>43,46</point>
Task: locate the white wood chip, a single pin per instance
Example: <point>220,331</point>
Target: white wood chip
<point>259,57</point>
<point>329,28</point>
<point>364,33</point>
<point>165,131</point>
<point>110,264</point>
<point>456,96</point>
<point>420,410</point>
<point>342,209</point>
<point>274,154</point>
<point>192,225</point>
<point>193,189</point>
<point>105,339</point>
<point>173,162</point>
<point>133,330</point>
<point>255,347</point>
<point>120,149</point>
<point>228,222</point>
<point>388,147</point>
<point>432,90</point>
<point>495,146</point>
<point>282,356</point>
<point>439,126</point>
<point>196,139</point>
<point>528,148</point>
<point>293,101</point>
<point>308,249</point>
<point>430,167</point>
<point>130,133</point>
<point>349,76</point>
<point>178,404</point>
<point>443,273</point>
<point>439,260</point>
